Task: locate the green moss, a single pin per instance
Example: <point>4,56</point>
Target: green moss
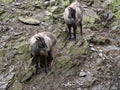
<point>1,11</point>
<point>26,55</point>
<point>57,32</point>
<point>56,13</point>
<point>28,73</point>
<point>26,6</point>
<point>65,2</point>
<point>2,52</point>
<point>1,18</point>
<point>25,51</point>
<point>22,48</point>
<point>117,14</point>
<point>88,19</point>
<point>17,86</point>
<point>45,17</point>
<point>76,50</point>
<point>62,62</point>
<point>85,47</point>
<point>14,15</point>
<point>38,4</point>
<point>95,27</point>
<point>2,14</point>
<point>7,1</point>
<point>64,36</point>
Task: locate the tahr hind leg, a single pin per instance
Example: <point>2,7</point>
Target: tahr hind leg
<point>80,23</point>
<point>69,28</point>
<point>74,30</point>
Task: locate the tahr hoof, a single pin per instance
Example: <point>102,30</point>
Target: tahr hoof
<point>75,38</point>
<point>69,38</point>
<point>38,72</point>
<point>46,70</point>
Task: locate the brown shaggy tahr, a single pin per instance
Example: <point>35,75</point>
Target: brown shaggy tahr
<point>73,16</point>
<point>42,49</point>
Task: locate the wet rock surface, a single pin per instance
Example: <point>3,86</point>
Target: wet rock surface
<point>91,62</point>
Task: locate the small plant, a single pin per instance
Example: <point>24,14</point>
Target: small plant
<point>115,7</point>
<point>65,2</point>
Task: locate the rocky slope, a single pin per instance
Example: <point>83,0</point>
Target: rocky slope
<point>91,62</point>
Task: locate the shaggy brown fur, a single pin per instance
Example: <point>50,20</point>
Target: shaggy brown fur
<point>42,49</point>
<point>73,17</point>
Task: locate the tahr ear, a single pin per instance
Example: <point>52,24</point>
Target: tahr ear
<point>38,38</point>
<point>43,42</point>
<point>69,8</point>
<point>42,39</point>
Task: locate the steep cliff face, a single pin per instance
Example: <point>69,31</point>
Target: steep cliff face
<point>92,62</point>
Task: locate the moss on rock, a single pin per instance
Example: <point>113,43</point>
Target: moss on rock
<point>76,50</point>
<point>28,73</point>
<point>1,11</point>
<point>16,86</point>
<point>62,61</point>
<point>64,36</point>
<point>90,16</point>
<point>2,52</point>
<point>62,64</point>
<point>7,1</point>
<point>65,2</point>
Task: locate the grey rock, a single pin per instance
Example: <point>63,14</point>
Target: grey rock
<point>117,60</point>
<point>5,80</point>
<point>82,74</point>
<point>5,38</point>
<point>29,20</point>
<point>17,3</point>
<point>99,61</point>
<point>98,87</point>
<point>17,33</point>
